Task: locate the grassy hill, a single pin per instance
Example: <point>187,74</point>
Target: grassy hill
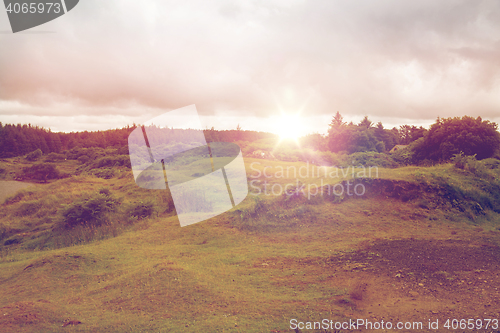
<point>420,243</point>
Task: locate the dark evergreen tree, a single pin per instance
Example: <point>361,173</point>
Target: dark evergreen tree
<point>337,121</point>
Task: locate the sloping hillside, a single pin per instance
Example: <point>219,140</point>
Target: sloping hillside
<point>413,247</point>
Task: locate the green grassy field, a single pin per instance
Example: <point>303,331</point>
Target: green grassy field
<point>253,269</point>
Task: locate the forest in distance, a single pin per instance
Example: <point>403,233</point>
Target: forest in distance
<point>444,139</point>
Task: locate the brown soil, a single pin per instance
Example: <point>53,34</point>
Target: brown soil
<point>408,280</point>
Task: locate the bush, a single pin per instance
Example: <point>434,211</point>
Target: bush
<point>469,163</point>
<point>464,162</point>
<point>142,209</point>
<point>104,173</point>
<point>34,155</point>
<point>380,146</point>
<point>91,211</point>
<point>403,156</point>
<point>122,150</point>
<point>491,163</point>
<point>13,240</point>
<point>91,153</point>
<point>54,157</point>
<point>111,161</point>
<point>83,159</point>
<point>254,210</point>
<point>41,171</point>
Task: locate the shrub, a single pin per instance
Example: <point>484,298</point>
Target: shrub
<point>83,159</point>
<point>111,161</point>
<point>380,146</point>
<point>491,163</point>
<point>41,171</point>
<point>34,155</point>
<point>104,173</point>
<point>255,209</point>
<point>74,153</point>
<point>463,162</point>
<point>54,157</point>
<point>403,156</point>
<point>90,211</point>
<point>469,163</point>
<point>142,209</point>
<point>91,153</point>
<point>12,240</point>
<point>122,150</point>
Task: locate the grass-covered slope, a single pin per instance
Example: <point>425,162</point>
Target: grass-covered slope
<point>413,247</point>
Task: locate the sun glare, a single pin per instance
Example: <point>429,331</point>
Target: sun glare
<point>288,126</point>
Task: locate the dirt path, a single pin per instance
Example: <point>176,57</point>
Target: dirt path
<point>10,187</point>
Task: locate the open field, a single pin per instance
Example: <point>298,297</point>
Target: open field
<point>413,248</point>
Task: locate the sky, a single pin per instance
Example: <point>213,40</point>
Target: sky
<point>106,64</point>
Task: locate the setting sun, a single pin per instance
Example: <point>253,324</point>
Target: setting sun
<point>288,126</point>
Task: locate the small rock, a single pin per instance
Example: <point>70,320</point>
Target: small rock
<point>413,293</point>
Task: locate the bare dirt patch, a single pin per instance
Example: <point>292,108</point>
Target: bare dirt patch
<point>404,280</point>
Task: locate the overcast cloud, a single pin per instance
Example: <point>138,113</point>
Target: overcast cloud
<point>109,63</point>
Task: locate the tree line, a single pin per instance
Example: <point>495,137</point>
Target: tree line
<point>19,140</point>
<point>444,139</point>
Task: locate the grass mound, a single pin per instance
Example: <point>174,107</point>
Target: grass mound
<point>22,316</point>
